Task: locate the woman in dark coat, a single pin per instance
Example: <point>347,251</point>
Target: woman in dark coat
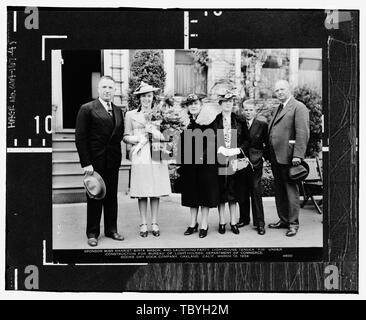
<point>198,171</point>
<point>232,143</point>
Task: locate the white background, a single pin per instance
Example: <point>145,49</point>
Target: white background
<point>214,4</point>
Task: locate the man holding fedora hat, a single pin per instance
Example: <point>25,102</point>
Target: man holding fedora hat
<point>288,138</point>
<point>99,132</point>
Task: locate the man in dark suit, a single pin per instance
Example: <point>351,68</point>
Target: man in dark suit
<point>258,132</point>
<point>288,138</point>
<point>99,131</point>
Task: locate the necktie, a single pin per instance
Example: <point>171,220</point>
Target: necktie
<point>109,109</point>
<point>280,107</point>
<point>248,124</point>
<point>279,110</point>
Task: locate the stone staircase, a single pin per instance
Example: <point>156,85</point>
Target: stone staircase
<point>67,175</point>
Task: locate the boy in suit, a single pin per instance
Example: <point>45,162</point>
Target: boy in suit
<point>258,131</point>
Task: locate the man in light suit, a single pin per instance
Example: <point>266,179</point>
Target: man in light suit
<point>288,138</point>
<point>99,131</point>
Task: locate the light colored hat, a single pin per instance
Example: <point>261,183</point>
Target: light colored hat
<point>95,186</point>
<point>144,88</point>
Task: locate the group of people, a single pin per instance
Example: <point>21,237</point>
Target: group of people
<point>219,162</point>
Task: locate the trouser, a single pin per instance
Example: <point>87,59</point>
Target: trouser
<point>286,193</point>
<point>253,195</point>
<point>108,205</point>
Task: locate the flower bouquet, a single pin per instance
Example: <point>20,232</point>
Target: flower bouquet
<point>163,124</point>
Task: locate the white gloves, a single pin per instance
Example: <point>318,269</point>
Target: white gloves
<point>142,141</point>
<point>228,152</point>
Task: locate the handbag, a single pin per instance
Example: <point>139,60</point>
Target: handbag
<point>240,164</point>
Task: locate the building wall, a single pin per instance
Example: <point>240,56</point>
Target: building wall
<point>221,71</point>
<point>116,64</point>
<point>310,68</point>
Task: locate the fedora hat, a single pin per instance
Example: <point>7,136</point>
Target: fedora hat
<point>145,88</point>
<point>95,186</point>
<point>300,172</point>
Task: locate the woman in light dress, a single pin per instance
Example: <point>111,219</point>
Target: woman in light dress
<point>149,177</point>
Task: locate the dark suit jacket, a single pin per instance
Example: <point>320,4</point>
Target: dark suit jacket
<point>289,132</point>
<point>98,137</point>
<point>258,142</point>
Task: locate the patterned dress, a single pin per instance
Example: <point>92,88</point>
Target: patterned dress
<point>232,133</point>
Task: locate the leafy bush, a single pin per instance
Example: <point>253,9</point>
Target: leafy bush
<point>267,182</point>
<point>313,102</point>
<point>147,66</point>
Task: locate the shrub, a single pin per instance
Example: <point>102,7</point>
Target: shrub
<point>267,182</point>
<point>312,99</point>
<point>147,66</point>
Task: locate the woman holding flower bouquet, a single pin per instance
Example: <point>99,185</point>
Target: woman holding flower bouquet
<point>198,171</point>
<point>149,176</point>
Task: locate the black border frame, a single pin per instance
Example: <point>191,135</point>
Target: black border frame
<point>28,176</point>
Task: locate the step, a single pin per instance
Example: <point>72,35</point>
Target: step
<point>65,154</point>
<point>68,196</point>
<point>60,166</point>
<point>66,168</point>
<point>69,188</point>
<point>71,181</point>
<point>63,144</point>
<point>63,135</point>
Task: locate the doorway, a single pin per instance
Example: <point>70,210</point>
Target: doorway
<point>188,78</point>
<point>81,71</point>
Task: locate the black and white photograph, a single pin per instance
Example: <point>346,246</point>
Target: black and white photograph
<point>182,149</point>
<point>114,111</point>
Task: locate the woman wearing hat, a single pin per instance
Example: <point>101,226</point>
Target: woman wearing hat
<point>149,177</point>
<point>232,143</point>
<point>198,171</point>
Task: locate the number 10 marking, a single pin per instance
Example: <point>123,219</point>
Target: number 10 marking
<point>47,124</point>
<point>216,13</point>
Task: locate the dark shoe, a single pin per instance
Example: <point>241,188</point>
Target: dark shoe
<point>191,230</point>
<point>203,233</point>
<point>93,242</point>
<point>292,231</point>
<point>261,231</point>
<point>222,228</point>
<point>234,228</point>
<point>278,225</point>
<point>143,230</point>
<point>155,230</point>
<point>115,236</point>
<point>242,224</point>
